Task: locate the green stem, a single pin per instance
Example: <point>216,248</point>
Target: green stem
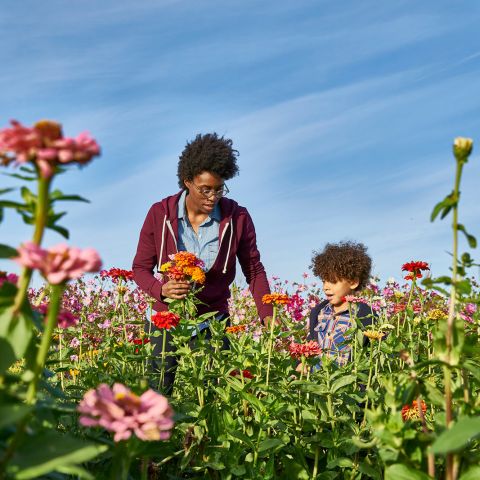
<point>270,342</point>
<point>162,372</point>
<point>450,474</point>
<point>41,214</point>
<point>368,383</point>
<point>56,292</point>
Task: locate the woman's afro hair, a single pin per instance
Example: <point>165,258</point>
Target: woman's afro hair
<point>207,153</point>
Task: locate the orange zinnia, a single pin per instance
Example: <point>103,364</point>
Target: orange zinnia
<point>236,328</point>
<point>276,298</point>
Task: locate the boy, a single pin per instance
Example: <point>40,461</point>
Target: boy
<point>344,269</point>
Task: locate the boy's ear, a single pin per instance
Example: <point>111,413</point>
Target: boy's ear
<point>354,284</point>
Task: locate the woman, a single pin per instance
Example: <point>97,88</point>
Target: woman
<point>201,220</point>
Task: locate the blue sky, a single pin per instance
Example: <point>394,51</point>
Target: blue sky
<point>343,114</point>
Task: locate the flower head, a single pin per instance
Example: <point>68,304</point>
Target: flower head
<point>60,263</point>
<point>410,412</point>
<point>8,277</point>
<point>276,298</point>
<point>373,334</point>
<point>462,148</point>
<point>243,373</point>
<point>415,269</point>
<point>65,318</point>
<point>436,314</point>
<point>117,274</point>
<point>45,146</point>
<point>236,328</point>
<point>308,349</point>
<point>184,266</point>
<point>118,410</point>
<point>165,320</point>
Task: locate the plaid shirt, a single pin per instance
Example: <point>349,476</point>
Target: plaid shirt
<point>331,336</point>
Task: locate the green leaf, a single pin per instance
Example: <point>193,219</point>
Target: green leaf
<point>57,451</point>
<point>28,196</point>
<point>7,252</point>
<point>15,335</point>
<point>6,190</point>
<point>21,177</point>
<point>471,474</point>
<point>76,471</point>
<point>269,444</point>
<point>62,231</point>
<point>457,436</point>
<point>472,241</point>
<point>11,204</point>
<point>402,472</point>
<point>445,212</point>
<point>436,210</point>
<point>71,198</point>
<point>464,286</point>
<point>10,414</point>
<point>341,462</point>
<point>242,437</point>
<point>342,382</point>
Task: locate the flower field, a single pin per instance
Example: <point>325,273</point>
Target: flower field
<point>79,399</point>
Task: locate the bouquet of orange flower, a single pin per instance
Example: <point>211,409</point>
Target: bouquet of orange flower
<point>184,266</point>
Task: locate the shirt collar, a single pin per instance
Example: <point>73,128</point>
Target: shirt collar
<point>182,211</point>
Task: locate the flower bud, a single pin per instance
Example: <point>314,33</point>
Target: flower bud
<point>462,148</point>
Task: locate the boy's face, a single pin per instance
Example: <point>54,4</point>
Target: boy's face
<point>335,291</point>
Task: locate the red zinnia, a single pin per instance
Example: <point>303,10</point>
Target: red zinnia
<point>410,412</point>
<point>118,273</point>
<point>165,320</point>
<point>139,341</point>
<point>308,349</point>
<point>245,373</point>
<point>399,307</point>
<point>415,269</point>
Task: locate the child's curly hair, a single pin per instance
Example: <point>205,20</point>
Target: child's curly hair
<point>343,261</point>
<point>207,153</point>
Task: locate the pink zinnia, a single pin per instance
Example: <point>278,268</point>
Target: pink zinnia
<point>60,263</point>
<point>308,349</point>
<point>118,410</point>
<point>20,141</point>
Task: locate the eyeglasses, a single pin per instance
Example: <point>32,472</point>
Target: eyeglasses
<point>208,192</point>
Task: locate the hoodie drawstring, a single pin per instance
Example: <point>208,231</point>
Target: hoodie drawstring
<point>163,241</point>
<point>229,245</point>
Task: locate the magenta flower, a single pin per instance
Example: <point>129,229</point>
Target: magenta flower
<point>60,263</point>
<point>8,277</point>
<point>65,318</point>
<point>118,410</point>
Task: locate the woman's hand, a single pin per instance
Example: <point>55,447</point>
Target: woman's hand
<point>176,289</point>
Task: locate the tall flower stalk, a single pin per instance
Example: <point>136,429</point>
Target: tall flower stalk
<point>462,148</point>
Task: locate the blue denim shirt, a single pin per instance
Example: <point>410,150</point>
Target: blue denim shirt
<point>205,244</point>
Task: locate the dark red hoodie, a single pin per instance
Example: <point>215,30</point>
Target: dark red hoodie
<point>158,240</point>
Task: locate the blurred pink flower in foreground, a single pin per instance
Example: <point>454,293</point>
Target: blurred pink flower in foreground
<point>44,145</point>
<point>118,410</point>
<point>59,263</point>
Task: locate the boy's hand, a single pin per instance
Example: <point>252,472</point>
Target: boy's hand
<point>176,289</point>
<point>299,368</point>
